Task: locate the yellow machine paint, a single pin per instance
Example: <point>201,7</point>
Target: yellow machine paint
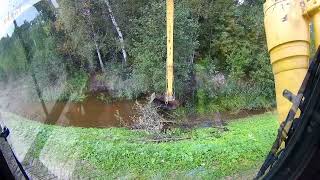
<point>287,25</point>
<point>312,12</point>
<point>316,26</point>
<point>288,42</point>
<point>170,28</point>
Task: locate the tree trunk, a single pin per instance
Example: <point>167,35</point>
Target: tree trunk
<point>97,47</point>
<point>99,56</point>
<point>120,36</point>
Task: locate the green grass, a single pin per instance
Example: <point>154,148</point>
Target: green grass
<point>118,152</point>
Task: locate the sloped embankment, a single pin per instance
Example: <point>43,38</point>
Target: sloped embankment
<point>68,152</point>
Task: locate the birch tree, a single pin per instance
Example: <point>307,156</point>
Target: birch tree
<point>119,32</point>
<point>81,22</point>
<point>94,36</point>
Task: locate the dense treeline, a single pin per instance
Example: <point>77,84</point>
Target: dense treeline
<point>221,59</point>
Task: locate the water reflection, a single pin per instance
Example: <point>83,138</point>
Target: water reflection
<point>95,113</point>
<point>28,25</point>
<point>92,112</point>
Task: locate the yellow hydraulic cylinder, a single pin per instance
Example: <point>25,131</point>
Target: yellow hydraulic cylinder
<point>170,28</point>
<point>316,28</point>
<point>312,11</point>
<point>288,39</point>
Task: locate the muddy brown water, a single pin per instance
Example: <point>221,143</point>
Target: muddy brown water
<point>90,113</point>
<point>93,112</point>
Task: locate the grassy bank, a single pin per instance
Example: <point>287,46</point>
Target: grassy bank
<point>207,153</point>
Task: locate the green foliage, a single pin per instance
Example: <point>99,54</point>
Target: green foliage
<point>149,47</point>
<point>213,39</point>
<point>120,152</point>
<point>231,93</point>
<point>232,43</point>
<point>233,96</point>
<point>76,87</point>
<point>105,98</point>
<point>47,64</point>
<point>13,61</point>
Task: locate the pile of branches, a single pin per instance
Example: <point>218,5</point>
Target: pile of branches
<point>147,118</point>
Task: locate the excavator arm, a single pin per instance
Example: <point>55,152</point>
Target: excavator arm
<point>168,102</point>
<point>296,151</point>
<point>169,96</point>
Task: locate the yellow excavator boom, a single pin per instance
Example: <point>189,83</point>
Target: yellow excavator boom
<point>170,28</point>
